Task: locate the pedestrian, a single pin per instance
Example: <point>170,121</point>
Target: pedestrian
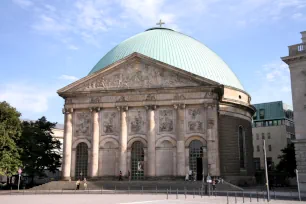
<point>85,183</point>
<point>190,175</point>
<point>129,175</point>
<point>78,184</point>
<point>120,176</point>
<point>214,184</point>
<point>194,176</point>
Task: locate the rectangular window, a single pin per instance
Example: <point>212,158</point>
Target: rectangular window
<point>270,122</point>
<point>258,124</point>
<point>275,123</point>
<point>255,116</point>
<point>257,136</point>
<point>261,114</point>
<point>263,136</point>
<point>270,148</point>
<point>258,148</point>
<point>269,135</point>
<point>257,163</point>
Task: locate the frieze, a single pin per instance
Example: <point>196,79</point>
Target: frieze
<point>109,122</point>
<point>166,121</point>
<point>130,76</point>
<point>83,122</point>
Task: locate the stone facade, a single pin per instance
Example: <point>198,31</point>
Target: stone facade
<point>297,65</point>
<point>164,108</point>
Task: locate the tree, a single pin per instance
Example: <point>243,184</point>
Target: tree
<point>287,161</point>
<point>10,131</point>
<point>40,149</point>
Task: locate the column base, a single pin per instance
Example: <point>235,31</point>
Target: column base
<point>66,178</point>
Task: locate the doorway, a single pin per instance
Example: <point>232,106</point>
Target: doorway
<point>196,159</point>
<point>137,162</point>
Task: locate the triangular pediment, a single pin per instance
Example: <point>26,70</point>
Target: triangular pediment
<point>136,72</point>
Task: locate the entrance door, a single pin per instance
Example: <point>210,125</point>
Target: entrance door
<point>137,157</point>
<point>195,158</point>
<point>199,168</point>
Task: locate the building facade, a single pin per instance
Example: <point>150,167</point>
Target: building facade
<point>297,65</point>
<point>156,106</point>
<point>272,122</point>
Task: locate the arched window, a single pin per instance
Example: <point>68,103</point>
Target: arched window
<point>241,137</point>
<point>81,165</point>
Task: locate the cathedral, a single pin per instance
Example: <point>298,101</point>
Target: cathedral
<point>158,105</point>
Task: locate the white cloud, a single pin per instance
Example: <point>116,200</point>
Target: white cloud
<point>25,97</point>
<point>68,77</point>
<point>72,47</point>
<point>23,3</point>
<point>297,16</point>
<point>272,84</point>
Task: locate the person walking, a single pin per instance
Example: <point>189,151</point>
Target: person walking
<point>78,184</point>
<point>120,176</point>
<point>129,175</point>
<point>214,184</point>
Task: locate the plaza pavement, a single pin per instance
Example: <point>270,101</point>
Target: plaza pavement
<point>127,199</point>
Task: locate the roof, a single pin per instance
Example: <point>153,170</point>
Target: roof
<point>175,49</point>
<point>273,111</point>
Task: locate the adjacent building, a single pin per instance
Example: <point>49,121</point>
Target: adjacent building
<point>272,122</point>
<point>156,106</point>
<point>297,65</point>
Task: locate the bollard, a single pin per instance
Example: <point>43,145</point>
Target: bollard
<point>227,197</point>
<point>250,197</point>
<point>115,189</point>
<point>257,196</point>
<point>170,190</point>
<point>185,192</point>
<point>156,190</point>
<point>201,192</point>
<point>167,194</point>
<point>235,197</point>
<point>177,193</point>
<point>102,190</point>
<point>274,195</point>
<point>193,193</point>
<point>141,190</point>
<point>128,190</point>
<point>242,196</point>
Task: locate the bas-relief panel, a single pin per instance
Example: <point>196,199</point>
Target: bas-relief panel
<point>195,120</point>
<point>82,123</point>
<point>109,122</point>
<point>136,76</point>
<point>137,122</point>
<point>166,121</point>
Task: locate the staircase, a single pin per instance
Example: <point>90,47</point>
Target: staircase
<point>134,185</point>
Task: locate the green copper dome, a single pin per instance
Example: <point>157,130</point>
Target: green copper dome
<point>175,49</point>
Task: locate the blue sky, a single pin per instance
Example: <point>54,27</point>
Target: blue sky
<point>46,44</point>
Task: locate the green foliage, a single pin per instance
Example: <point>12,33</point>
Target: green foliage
<point>40,149</point>
<point>10,131</point>
<point>287,162</point>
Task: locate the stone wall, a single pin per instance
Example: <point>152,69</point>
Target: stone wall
<point>229,148</point>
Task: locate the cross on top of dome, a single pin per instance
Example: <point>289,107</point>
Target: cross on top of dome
<point>160,23</point>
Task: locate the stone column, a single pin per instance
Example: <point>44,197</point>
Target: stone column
<point>123,141</point>
<point>95,143</point>
<point>213,140</point>
<point>67,144</point>
<point>151,134</point>
<point>180,139</point>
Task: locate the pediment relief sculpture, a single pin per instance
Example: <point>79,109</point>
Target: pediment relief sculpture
<point>136,76</point>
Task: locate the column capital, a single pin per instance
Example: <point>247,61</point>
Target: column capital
<point>67,110</point>
<point>96,109</point>
<point>179,106</point>
<point>150,107</point>
<point>122,108</point>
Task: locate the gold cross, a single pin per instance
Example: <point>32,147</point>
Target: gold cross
<point>160,23</point>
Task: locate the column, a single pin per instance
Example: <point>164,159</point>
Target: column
<point>95,143</point>
<point>123,141</point>
<point>151,141</point>
<point>67,145</point>
<point>180,140</point>
<point>212,140</point>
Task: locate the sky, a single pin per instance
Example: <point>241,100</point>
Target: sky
<point>46,45</point>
